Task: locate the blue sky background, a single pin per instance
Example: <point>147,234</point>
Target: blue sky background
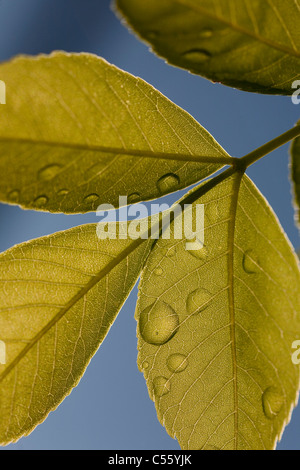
<point>110,409</point>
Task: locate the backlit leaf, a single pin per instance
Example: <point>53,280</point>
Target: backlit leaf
<point>253,45</point>
<point>216,325</point>
<point>59,295</point>
<point>77,132</point>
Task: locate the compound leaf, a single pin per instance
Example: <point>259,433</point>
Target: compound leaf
<point>77,132</point>
<point>248,44</point>
<point>216,325</point>
<point>59,296</point>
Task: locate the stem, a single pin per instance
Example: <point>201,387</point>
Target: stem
<point>257,154</point>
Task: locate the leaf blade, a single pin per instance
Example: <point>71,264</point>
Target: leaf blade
<point>59,297</point>
<point>245,46</point>
<point>81,132</point>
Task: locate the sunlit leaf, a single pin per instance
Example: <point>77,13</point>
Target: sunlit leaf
<point>77,132</point>
<point>59,295</point>
<point>295,165</point>
<point>216,325</point>
<point>253,45</point>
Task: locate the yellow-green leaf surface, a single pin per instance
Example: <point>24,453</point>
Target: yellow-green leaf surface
<point>216,325</point>
<point>253,45</point>
<point>77,132</point>
<point>59,296</point>
<point>295,164</point>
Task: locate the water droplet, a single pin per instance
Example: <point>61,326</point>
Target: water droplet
<point>171,251</point>
<point>14,195</point>
<point>145,365</point>
<point>63,192</point>
<point>250,262</point>
<point>161,386</point>
<point>158,323</point>
<point>49,172</point>
<point>177,363</point>
<point>133,198</point>
<point>158,271</point>
<point>41,201</point>
<point>272,401</point>
<point>91,198</point>
<point>197,55</point>
<point>197,301</point>
<point>206,33</point>
<point>168,183</point>
<point>201,252</point>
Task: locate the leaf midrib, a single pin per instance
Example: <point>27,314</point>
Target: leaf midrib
<point>231,236</point>
<point>236,27</point>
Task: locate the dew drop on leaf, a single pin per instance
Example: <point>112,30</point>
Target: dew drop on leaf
<point>41,201</point>
<point>201,252</point>
<point>134,197</point>
<point>63,192</point>
<point>158,323</point>
<point>161,386</point>
<point>177,363</point>
<point>198,301</point>
<point>49,172</point>
<point>145,365</point>
<point>250,262</point>
<point>272,401</point>
<point>167,183</point>
<point>197,55</point>
<point>91,198</point>
<point>14,195</point>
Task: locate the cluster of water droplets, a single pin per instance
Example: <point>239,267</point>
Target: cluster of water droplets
<point>198,300</point>
<point>195,55</point>
<point>134,198</point>
<point>158,323</point>
<point>176,363</point>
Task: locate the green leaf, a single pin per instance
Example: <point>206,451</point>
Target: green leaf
<point>59,296</point>
<point>216,325</point>
<point>77,132</point>
<point>249,44</point>
<point>295,165</point>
